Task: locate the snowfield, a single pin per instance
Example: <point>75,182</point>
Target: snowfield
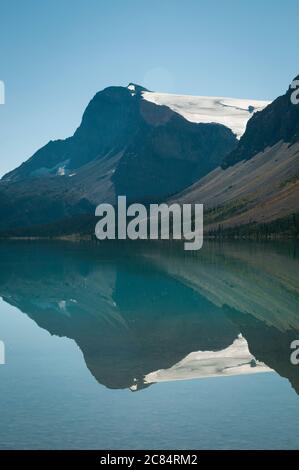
<point>234,360</point>
<point>231,112</point>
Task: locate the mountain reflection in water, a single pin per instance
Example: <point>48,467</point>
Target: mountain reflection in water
<point>145,313</point>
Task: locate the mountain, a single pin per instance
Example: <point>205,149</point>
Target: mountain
<point>257,185</point>
<point>145,145</point>
<point>278,122</point>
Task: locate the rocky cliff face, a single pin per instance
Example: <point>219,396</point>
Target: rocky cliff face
<point>257,184</point>
<point>277,122</point>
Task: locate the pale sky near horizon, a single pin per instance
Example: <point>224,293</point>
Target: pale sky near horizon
<point>56,54</point>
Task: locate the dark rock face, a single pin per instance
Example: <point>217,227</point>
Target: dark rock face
<point>124,145</point>
<point>168,154</point>
<point>278,121</point>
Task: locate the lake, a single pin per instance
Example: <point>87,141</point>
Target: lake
<point>146,346</point>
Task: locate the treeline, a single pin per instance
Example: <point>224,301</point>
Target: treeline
<point>82,225</point>
<point>286,227</point>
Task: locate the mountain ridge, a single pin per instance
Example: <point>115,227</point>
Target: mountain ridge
<point>277,122</point>
<point>124,145</point>
<point>130,142</point>
<point>258,182</point>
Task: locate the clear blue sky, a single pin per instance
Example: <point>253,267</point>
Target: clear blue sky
<point>56,54</point>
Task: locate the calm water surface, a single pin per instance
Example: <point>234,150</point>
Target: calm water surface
<point>146,346</point>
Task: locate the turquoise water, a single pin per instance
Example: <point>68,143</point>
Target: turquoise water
<point>104,346</point>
